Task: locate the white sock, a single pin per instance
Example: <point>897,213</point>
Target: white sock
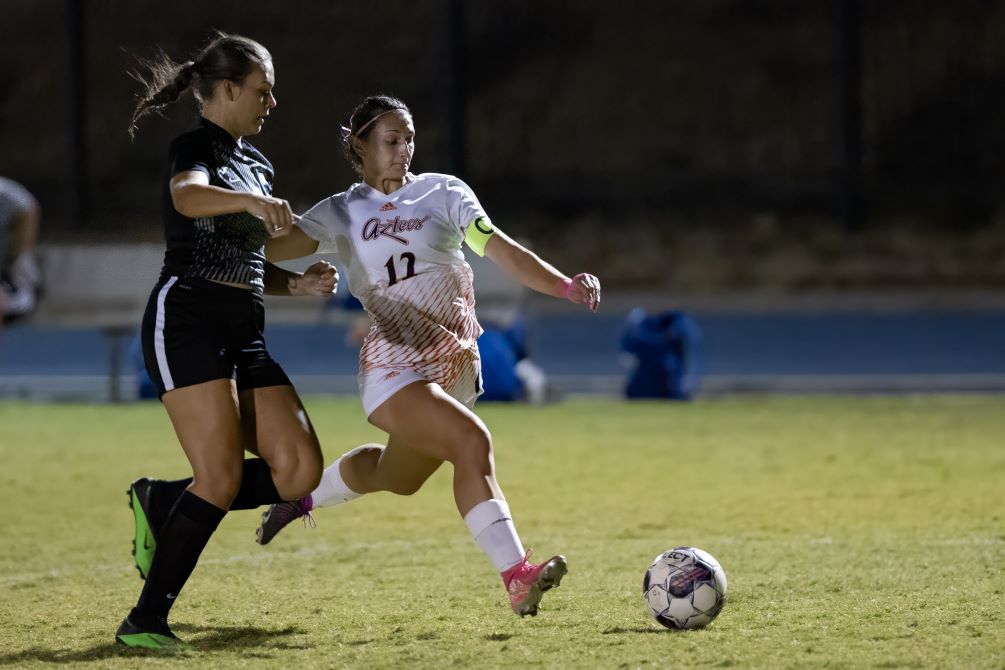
<point>333,490</point>
<point>491,526</point>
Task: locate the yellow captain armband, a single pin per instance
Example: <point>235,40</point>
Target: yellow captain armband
<point>478,234</point>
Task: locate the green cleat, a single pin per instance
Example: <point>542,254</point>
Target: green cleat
<point>144,542</point>
<point>156,635</point>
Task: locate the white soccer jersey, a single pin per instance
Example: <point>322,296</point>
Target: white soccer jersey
<point>401,254</point>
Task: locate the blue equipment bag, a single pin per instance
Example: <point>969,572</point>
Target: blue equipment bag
<point>499,350</point>
<point>667,350</point>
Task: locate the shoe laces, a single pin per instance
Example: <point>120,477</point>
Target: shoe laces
<point>285,512</point>
<point>306,504</point>
<point>517,570</point>
<point>309,520</point>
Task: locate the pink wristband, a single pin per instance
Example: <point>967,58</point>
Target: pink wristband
<point>564,287</point>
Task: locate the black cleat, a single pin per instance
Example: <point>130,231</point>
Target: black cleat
<point>280,515</point>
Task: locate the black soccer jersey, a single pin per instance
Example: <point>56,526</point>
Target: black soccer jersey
<point>228,247</point>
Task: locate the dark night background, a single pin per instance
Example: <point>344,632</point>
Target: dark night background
<point>701,146</point>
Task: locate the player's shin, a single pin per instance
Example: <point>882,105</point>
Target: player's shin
<point>333,488</point>
<point>492,528</point>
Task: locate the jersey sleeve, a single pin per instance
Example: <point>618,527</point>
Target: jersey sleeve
<point>468,215</point>
<point>320,223</point>
<point>189,153</point>
<point>478,234</point>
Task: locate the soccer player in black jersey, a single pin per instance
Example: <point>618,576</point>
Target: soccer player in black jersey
<point>202,331</point>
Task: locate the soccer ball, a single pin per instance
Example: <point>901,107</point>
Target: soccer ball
<point>684,588</point>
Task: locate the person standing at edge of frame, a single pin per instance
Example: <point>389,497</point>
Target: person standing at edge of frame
<point>20,275</point>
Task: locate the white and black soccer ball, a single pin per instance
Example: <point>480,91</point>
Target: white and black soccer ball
<point>684,588</point>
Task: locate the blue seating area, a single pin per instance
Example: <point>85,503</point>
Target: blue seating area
<point>817,352</point>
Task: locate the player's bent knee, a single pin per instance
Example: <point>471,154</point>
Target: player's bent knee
<point>472,447</point>
<point>218,485</point>
<point>290,458</point>
<point>299,478</point>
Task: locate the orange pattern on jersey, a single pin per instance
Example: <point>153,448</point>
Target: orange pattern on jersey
<point>424,323</point>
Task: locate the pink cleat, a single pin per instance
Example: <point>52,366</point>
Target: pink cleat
<point>526,582</point>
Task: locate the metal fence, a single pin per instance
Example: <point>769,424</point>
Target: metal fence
<point>552,108</point>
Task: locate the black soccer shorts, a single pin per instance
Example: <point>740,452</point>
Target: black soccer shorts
<point>195,330</point>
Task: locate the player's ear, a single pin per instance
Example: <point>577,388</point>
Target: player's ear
<point>359,147</point>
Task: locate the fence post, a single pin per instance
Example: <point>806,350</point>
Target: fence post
<point>850,59</point>
<point>77,54</point>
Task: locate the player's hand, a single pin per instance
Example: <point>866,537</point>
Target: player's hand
<point>583,289</point>
<point>275,213</point>
<point>319,279</point>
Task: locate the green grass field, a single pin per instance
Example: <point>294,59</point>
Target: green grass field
<point>855,532</point>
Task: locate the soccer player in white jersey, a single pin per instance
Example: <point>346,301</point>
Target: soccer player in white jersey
<point>398,237</point>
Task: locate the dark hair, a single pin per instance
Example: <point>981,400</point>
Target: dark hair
<point>365,112</point>
<point>226,57</point>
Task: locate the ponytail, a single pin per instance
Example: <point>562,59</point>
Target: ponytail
<point>168,81</point>
<point>226,57</point>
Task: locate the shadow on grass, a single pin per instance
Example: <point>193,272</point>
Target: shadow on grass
<point>637,629</point>
<point>204,638</point>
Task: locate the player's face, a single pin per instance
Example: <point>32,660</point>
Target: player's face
<point>253,99</point>
<point>388,149</point>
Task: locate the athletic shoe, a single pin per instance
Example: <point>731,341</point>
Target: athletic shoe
<point>147,632</point>
<point>144,540</point>
<point>526,582</point>
<point>18,301</point>
<point>279,515</point>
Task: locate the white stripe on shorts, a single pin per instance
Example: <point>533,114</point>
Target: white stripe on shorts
<point>162,362</point>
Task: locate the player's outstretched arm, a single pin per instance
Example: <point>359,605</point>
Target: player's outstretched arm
<point>295,244</point>
<point>526,267</point>
<point>192,196</point>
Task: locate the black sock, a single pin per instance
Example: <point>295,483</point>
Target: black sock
<point>257,487</point>
<point>163,496</point>
<point>183,537</point>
